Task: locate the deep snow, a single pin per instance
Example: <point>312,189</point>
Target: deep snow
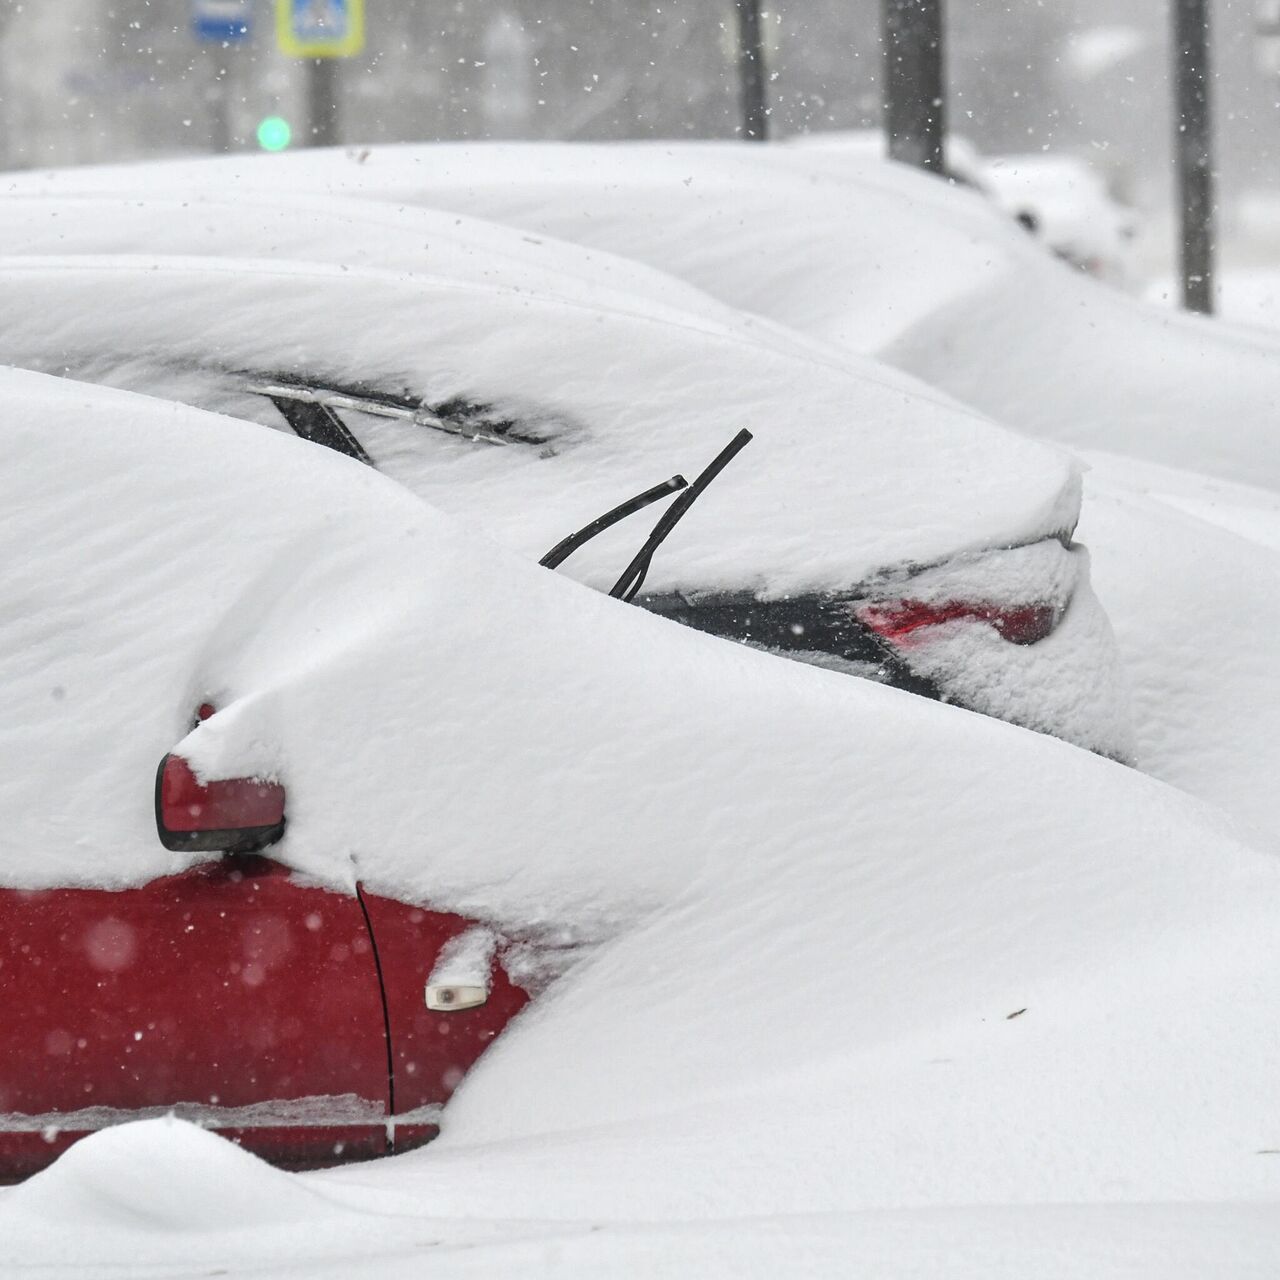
<point>622,398</point>
<point>1189,567</point>
<point>861,958</point>
<point>880,986</point>
<point>874,258</point>
<point>856,472</point>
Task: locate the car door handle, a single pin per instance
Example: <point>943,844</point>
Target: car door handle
<point>443,997</point>
<point>460,979</point>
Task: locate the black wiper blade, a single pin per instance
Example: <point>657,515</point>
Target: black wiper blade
<point>319,424</point>
<point>470,427</point>
<point>567,546</point>
<point>634,574</point>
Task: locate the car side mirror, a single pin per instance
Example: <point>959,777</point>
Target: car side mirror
<point>230,815</point>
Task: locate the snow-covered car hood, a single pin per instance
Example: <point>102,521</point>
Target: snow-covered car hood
<point>877,259</point>
<point>855,469</point>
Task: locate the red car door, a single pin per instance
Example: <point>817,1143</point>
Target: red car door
<point>448,997</point>
<point>232,994</point>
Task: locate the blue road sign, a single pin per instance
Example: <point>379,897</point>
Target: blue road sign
<point>221,20</point>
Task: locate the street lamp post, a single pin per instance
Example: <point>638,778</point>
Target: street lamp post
<point>1193,148</point>
<point>751,71</point>
<point>914,105</point>
<point>322,102</point>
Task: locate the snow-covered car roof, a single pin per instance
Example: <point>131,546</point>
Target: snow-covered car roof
<point>881,260</point>
<point>314,228</point>
<point>854,469</point>
<point>715,212</point>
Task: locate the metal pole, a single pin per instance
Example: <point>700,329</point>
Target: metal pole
<point>914,106</point>
<point>322,102</point>
<point>1194,151</point>
<point>751,71</point>
<point>218,97</point>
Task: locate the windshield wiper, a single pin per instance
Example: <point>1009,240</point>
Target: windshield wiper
<point>634,574</point>
<point>567,546</point>
<point>316,421</point>
<point>311,410</point>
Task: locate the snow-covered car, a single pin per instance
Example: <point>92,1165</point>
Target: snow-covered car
<point>1058,198</point>
<point>310,1024</point>
<point>306,968</point>
<point>870,526</point>
<point>876,259</point>
<point>1028,927</point>
<point>1066,204</point>
<point>140,971</point>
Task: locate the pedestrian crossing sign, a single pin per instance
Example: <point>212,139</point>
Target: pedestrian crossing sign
<point>320,28</point>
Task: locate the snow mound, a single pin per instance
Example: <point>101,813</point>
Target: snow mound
<point>162,1175</point>
<point>1190,569</point>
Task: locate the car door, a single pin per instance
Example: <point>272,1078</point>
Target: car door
<point>233,994</point>
<point>448,996</point>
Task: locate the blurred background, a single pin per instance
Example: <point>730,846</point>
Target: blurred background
<point>91,81</point>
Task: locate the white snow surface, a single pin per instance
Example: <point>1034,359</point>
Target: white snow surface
<point>880,982</point>
<point>879,260</point>
<point>628,397</point>
<point>1190,569</point>
<point>819,901</point>
<point>1074,213</point>
<point>164,558</point>
<point>310,228</point>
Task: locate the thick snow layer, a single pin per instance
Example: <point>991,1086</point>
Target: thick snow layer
<point>741,221</point>
<point>1242,509</point>
<point>1190,569</point>
<point>854,472</point>
<point>217,562</point>
<point>1244,296</point>
<point>1073,212</point>
<point>380,235</point>
<point>882,261</point>
<point>624,398</point>
<point>163,1198</point>
<point>862,957</point>
<point>210,1180</point>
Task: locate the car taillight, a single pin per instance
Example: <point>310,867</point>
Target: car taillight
<point>232,815</point>
<point>900,620</point>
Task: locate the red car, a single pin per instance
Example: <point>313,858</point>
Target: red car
<point>310,1026</point>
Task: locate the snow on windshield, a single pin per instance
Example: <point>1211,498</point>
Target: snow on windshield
<point>854,468</point>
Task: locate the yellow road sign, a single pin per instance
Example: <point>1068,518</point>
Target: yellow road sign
<point>320,28</point>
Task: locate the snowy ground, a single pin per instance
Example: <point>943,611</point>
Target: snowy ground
<point>901,991</point>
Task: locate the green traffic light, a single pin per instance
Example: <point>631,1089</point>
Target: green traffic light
<point>274,133</point>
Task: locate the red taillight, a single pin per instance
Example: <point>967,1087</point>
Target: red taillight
<point>232,814</point>
<point>898,621</point>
